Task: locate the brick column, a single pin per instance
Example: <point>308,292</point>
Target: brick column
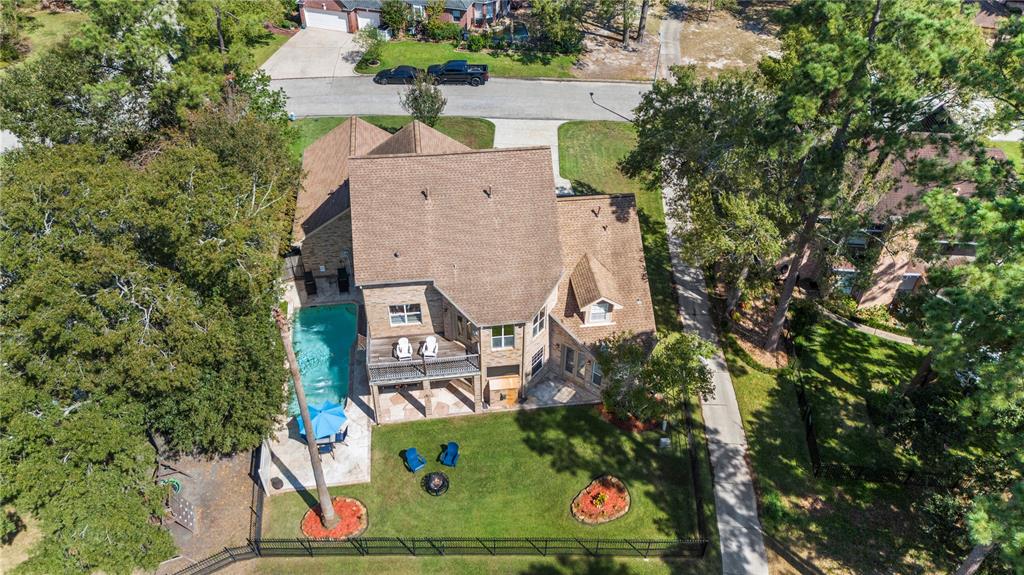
<point>375,392</point>
<point>478,394</point>
<point>427,408</point>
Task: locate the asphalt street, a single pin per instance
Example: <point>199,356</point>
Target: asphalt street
<point>499,98</point>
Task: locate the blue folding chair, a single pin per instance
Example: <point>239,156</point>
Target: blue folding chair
<point>413,460</point>
<point>450,457</point>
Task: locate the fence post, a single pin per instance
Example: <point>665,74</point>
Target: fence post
<point>305,544</point>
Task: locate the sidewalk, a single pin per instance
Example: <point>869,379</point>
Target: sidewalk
<point>739,529</point>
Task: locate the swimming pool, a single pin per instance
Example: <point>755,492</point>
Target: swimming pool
<point>323,337</point>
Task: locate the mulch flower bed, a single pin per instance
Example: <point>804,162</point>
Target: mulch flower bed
<point>629,424</point>
<point>353,520</point>
<point>604,500</point>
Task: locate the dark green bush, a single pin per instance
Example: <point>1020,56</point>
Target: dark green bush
<point>442,31</point>
<point>476,43</point>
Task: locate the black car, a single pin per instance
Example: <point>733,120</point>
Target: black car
<point>397,75</point>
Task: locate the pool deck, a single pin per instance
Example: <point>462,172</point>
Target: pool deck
<point>286,456</point>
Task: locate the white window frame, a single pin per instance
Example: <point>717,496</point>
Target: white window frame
<point>503,340</point>
<point>844,278</point>
<point>419,12</point>
<point>600,306</point>
<point>596,375</point>
<point>401,314</point>
<point>540,322</point>
<point>581,366</point>
<point>537,362</point>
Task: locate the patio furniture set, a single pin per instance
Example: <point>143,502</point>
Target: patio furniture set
<point>403,349</point>
<point>435,482</point>
<point>329,426</point>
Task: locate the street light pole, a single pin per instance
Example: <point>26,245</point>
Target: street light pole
<point>327,515</point>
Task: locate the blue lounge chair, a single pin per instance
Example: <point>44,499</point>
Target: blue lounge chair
<point>413,460</point>
<point>450,457</point>
<point>325,448</point>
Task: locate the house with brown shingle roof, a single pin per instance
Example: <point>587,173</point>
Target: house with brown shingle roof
<point>474,278</point>
<point>896,268</point>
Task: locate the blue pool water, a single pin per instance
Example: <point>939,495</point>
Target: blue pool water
<point>323,337</point>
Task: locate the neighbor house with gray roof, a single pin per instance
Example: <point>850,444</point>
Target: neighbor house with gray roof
<point>472,251</point>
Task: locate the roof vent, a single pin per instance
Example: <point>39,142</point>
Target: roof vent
<point>487,192</point>
<point>596,211</point>
<point>396,254</point>
<point>426,196</point>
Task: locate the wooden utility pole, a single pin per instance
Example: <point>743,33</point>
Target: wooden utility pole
<point>327,515</point>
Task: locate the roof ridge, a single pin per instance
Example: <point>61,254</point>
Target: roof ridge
<point>463,152</point>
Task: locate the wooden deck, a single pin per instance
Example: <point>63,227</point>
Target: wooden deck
<point>382,349</point>
<point>452,361</point>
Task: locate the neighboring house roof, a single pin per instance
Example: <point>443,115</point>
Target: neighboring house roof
<point>481,225</point>
<point>990,14</point>
<point>592,282</point>
<point>324,193</point>
<point>376,4</point>
<point>605,232</point>
<point>418,138</point>
<point>905,196</point>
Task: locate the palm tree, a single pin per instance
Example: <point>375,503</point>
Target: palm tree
<point>327,515</point>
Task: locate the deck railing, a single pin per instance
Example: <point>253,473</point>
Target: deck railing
<point>385,372</point>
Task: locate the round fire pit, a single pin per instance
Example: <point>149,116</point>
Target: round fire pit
<point>436,483</point>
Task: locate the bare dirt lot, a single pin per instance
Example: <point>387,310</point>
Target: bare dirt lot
<point>604,58</point>
<point>723,40</point>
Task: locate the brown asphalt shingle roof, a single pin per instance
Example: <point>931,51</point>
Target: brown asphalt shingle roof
<point>482,225</point>
<point>604,229</point>
<point>591,282</point>
<point>905,197</point>
<point>323,194</point>
<point>418,138</point>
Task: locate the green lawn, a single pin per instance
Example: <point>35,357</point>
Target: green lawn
<point>476,133</point>
<point>423,54</point>
<point>265,50</point>
<point>1012,149</point>
<point>517,475</point>
<point>45,29</point>
<point>588,156</point>
<point>831,523</point>
<point>844,369</point>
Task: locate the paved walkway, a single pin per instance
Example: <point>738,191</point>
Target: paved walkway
<point>670,32</point>
<point>516,133</point>
<point>739,529</point>
<point>867,329</point>
<point>315,53</point>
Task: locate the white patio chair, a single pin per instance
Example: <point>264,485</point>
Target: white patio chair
<point>429,347</point>
<point>403,350</point>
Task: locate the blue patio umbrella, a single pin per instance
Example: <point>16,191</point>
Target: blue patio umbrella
<point>327,419</point>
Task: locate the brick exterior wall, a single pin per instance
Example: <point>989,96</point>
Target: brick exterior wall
<point>329,246</point>
<point>893,262</point>
<point>560,341</point>
<point>377,299</point>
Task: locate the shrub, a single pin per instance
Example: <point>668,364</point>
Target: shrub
<point>476,43</point>
<point>442,31</point>
<point>773,508</point>
<point>372,41</point>
<point>805,314</point>
<point>10,526</point>
<point>841,304</point>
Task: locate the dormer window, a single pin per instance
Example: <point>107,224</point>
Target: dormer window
<point>600,312</point>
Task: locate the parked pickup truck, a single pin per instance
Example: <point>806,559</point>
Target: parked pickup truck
<point>459,72</point>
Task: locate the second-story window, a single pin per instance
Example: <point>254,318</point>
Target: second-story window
<point>503,337</point>
<point>405,314</point>
<point>539,322</point>
<point>601,312</point>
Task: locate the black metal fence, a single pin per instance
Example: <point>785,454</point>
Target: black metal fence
<point>450,546</point>
<point>444,546</point>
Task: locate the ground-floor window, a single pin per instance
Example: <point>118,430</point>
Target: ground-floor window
<point>581,366</point>
<point>537,363</point>
<point>596,375</point>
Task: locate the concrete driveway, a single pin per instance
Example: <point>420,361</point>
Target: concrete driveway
<point>315,53</point>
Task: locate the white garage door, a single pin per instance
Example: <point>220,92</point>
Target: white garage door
<point>328,20</point>
<point>368,19</point>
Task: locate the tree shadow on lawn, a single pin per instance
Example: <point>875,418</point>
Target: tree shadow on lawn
<point>579,566</point>
<point>847,371</point>
<point>577,440</point>
<point>659,271</point>
<point>857,526</point>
